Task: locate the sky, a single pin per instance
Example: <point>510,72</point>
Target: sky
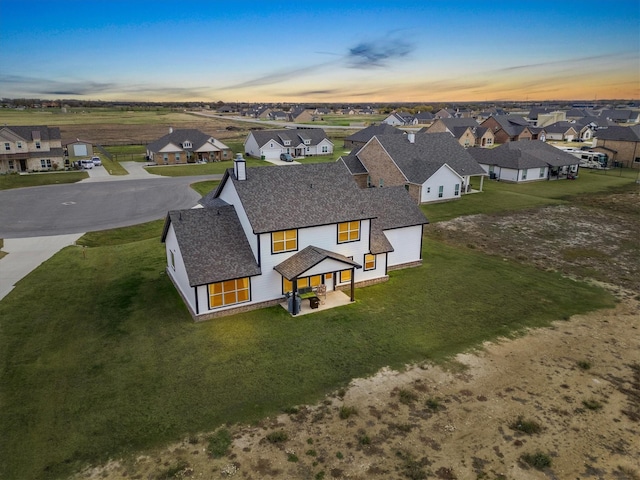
<point>320,51</point>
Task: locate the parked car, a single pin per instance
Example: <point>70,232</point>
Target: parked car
<point>96,161</point>
<point>86,163</point>
<point>286,157</point>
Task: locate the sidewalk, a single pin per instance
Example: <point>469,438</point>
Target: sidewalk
<point>136,172</point>
<point>26,254</point>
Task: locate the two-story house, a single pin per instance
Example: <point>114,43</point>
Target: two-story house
<point>30,149</point>
<point>187,146</point>
<point>298,142</point>
<point>265,233</point>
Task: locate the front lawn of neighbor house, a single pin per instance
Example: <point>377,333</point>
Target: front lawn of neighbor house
<point>39,179</point>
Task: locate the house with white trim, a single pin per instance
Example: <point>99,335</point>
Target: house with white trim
<point>267,233</point>
<point>526,161</point>
<point>432,167</point>
<point>298,142</point>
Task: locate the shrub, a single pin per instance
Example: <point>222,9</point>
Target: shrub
<point>346,412</point>
<point>364,439</point>
<point>407,396</point>
<point>584,364</point>
<point>592,404</point>
<point>219,443</point>
<point>525,426</point>
<point>537,460</point>
<point>278,436</point>
<point>433,404</point>
<point>339,456</point>
<point>174,471</point>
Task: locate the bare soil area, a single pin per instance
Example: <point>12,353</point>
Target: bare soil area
<point>557,403</point>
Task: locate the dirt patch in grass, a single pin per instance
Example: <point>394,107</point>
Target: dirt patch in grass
<point>558,402</point>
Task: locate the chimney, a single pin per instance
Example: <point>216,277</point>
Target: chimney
<point>170,129</point>
<point>411,137</point>
<point>240,167</point>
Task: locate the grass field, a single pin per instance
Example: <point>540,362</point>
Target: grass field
<point>108,362</point>
<point>39,179</point>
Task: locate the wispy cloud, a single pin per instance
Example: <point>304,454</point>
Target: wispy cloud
<point>372,54</point>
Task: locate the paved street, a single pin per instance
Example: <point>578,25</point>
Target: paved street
<point>36,222</point>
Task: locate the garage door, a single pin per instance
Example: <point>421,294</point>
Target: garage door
<point>79,150</point>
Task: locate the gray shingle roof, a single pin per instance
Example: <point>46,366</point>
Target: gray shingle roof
<point>295,135</point>
<point>366,134</point>
<point>626,134</point>
<point>26,132</point>
<point>524,154</point>
<point>421,159</point>
<point>213,244</point>
<point>354,165</point>
<point>297,196</point>
<point>178,137</point>
<point>307,258</point>
<point>459,122</point>
<point>395,209</point>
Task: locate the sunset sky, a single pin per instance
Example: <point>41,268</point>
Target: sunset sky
<point>320,51</point>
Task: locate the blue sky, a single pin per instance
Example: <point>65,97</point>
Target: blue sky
<point>320,51</point>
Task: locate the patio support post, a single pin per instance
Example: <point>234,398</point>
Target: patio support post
<point>352,285</point>
<point>294,293</point>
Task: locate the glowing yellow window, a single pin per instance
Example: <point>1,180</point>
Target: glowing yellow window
<point>315,280</point>
<point>345,276</point>
<point>369,261</point>
<point>284,241</point>
<point>229,292</point>
<point>348,232</point>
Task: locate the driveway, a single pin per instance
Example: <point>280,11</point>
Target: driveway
<point>36,222</point>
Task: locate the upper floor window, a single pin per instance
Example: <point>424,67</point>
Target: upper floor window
<point>307,142</point>
<point>284,241</point>
<point>186,144</point>
<point>349,231</point>
<point>37,144</point>
<point>7,146</point>
<point>19,144</point>
<point>287,142</point>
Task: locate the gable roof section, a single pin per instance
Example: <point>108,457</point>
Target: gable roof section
<point>31,133</point>
<point>178,137</point>
<point>307,258</point>
<point>213,244</point>
<point>524,154</point>
<point>298,196</point>
<point>454,122</point>
<point>421,159</point>
<point>295,135</point>
<point>395,209</point>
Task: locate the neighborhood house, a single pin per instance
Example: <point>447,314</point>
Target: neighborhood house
<point>267,233</point>
<point>298,142</point>
<point>187,146</point>
<point>30,149</point>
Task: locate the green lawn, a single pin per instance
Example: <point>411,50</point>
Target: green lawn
<point>108,361</point>
<point>205,187</point>
<point>499,197</point>
<point>39,179</point>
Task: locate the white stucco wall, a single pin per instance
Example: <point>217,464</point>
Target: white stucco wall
<point>179,273</point>
<point>406,243</point>
<point>444,177</point>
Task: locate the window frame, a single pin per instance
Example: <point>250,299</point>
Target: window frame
<point>284,241</point>
<point>367,261</point>
<point>440,191</point>
<point>225,293</point>
<point>349,231</point>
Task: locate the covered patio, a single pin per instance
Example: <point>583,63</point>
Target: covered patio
<point>335,298</point>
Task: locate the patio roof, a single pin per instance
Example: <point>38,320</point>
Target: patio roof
<point>307,258</point>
